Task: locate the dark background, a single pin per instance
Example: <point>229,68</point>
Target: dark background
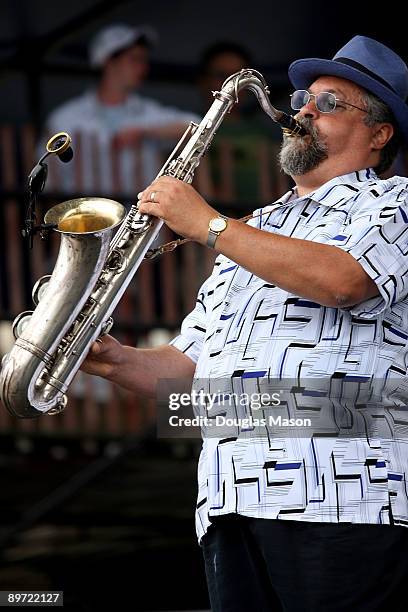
<point>43,43</point>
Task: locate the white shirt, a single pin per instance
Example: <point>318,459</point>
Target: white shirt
<point>244,332</point>
<point>95,170</point>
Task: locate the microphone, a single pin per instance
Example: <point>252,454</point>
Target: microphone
<point>66,156</point>
<point>60,144</point>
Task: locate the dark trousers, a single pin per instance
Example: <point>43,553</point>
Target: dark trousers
<point>292,566</point>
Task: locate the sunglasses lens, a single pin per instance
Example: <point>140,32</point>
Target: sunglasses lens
<point>326,102</point>
<point>299,98</point>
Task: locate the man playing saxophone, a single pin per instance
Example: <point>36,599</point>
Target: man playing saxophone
<point>312,287</point>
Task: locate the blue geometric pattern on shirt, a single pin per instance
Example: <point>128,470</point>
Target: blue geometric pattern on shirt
<point>244,327</point>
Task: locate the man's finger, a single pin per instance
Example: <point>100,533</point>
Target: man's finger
<point>96,347</point>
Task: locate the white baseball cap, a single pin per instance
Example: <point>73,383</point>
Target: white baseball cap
<point>113,38</point>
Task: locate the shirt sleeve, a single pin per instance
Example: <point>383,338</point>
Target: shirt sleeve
<point>377,237</point>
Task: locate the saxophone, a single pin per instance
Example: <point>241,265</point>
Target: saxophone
<point>74,304</point>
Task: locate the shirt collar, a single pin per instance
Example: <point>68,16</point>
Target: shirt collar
<point>329,195</point>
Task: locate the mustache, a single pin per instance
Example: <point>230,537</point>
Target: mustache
<point>307,123</point>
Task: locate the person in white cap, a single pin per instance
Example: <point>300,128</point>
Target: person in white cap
<point>118,134</point>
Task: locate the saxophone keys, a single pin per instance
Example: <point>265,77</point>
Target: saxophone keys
<point>116,261</point>
<point>59,407</point>
<point>39,288</point>
<point>20,323</point>
<point>106,326</point>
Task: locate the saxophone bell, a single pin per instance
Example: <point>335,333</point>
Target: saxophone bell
<point>31,382</point>
<point>85,215</point>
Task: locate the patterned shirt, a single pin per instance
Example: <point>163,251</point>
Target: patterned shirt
<point>244,330</point>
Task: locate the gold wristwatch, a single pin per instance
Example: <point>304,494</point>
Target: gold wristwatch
<point>215,227</point>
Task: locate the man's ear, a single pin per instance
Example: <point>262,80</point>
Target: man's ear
<point>381,135</point>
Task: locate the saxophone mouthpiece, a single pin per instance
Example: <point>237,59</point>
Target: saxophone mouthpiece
<point>290,126</point>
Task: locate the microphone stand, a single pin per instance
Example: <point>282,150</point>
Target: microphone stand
<point>59,145</point>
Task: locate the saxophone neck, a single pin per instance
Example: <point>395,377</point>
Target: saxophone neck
<point>251,79</point>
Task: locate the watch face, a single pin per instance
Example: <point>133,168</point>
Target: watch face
<point>218,224</point>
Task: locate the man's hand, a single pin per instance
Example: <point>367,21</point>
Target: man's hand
<point>105,355</point>
<point>180,207</point>
<point>134,369</point>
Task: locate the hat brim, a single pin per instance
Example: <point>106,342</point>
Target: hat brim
<point>304,71</point>
<point>100,50</point>
<point>149,34</point>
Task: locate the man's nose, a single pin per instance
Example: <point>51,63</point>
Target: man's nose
<point>309,110</point>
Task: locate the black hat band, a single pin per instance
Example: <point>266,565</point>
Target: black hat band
<point>361,68</point>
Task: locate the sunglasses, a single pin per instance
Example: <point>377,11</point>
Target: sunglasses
<point>325,101</point>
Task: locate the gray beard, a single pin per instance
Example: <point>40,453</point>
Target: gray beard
<point>297,156</point>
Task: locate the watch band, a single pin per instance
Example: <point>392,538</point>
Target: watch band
<point>212,237</point>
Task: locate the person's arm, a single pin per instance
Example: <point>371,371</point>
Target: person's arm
<point>319,272</point>
<point>170,130</point>
<point>137,370</point>
<point>129,137</point>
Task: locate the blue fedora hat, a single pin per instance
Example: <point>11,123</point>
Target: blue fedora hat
<point>367,63</point>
